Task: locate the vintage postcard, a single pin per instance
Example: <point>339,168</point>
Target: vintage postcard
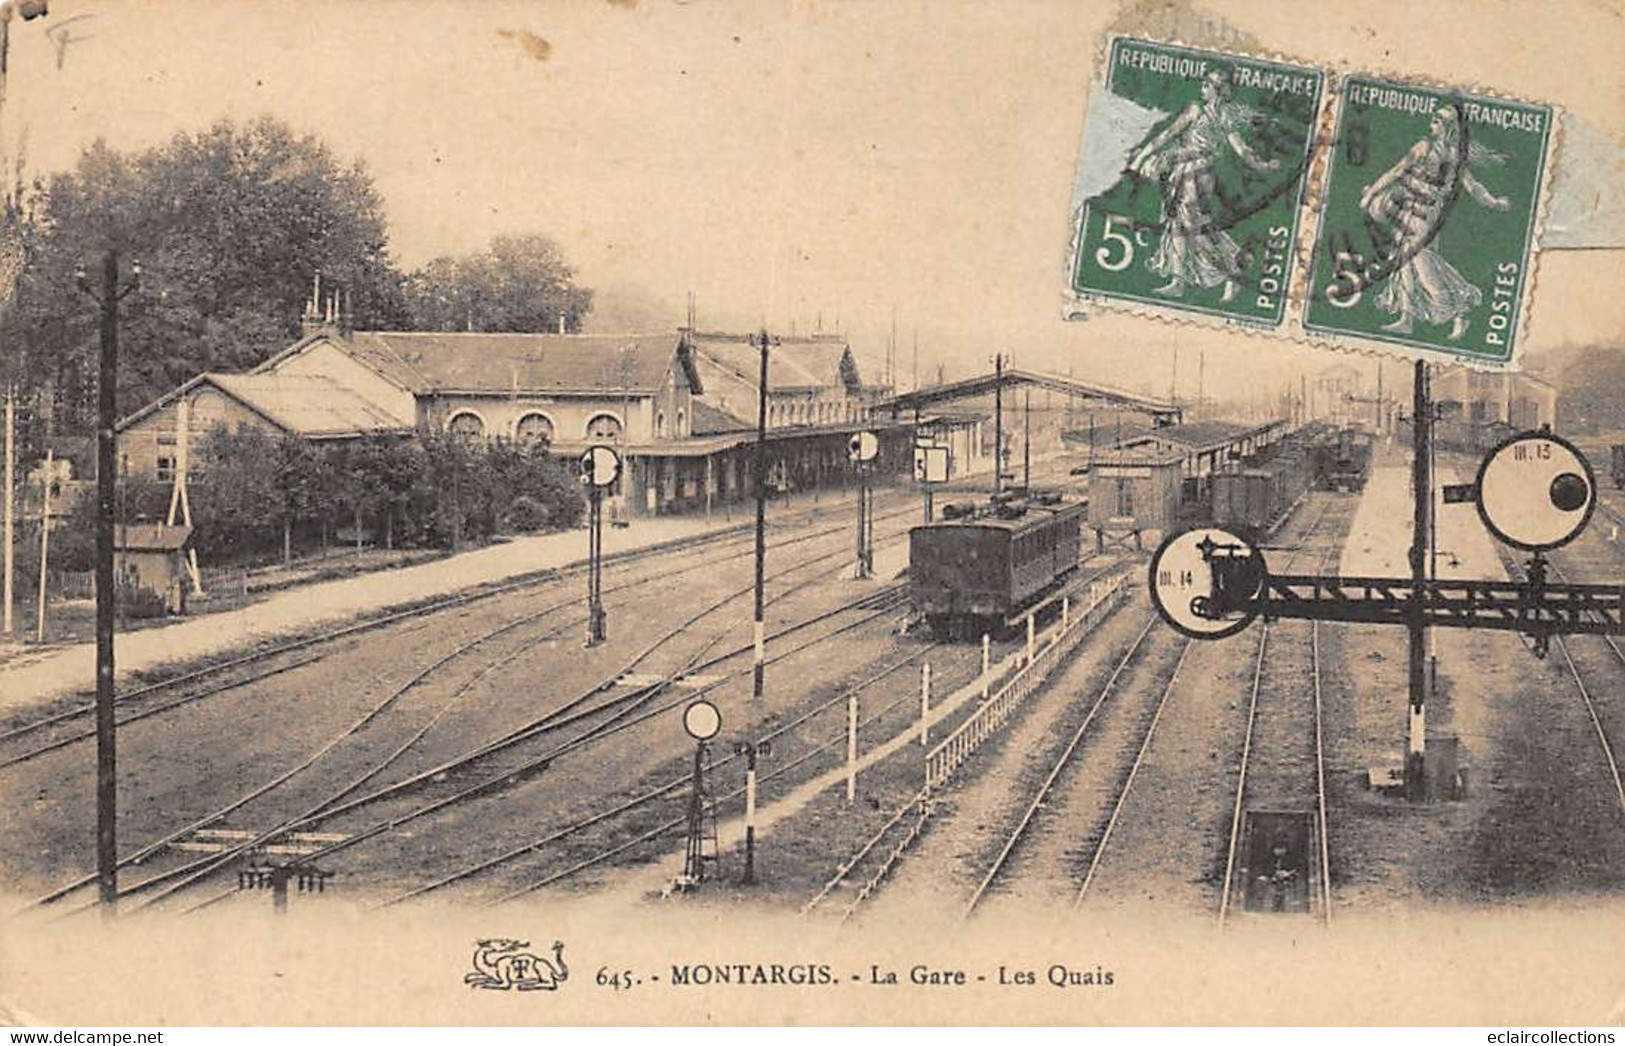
<point>1414,246</point>
<point>586,512</point>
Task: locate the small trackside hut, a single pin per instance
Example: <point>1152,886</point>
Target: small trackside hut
<point>151,557</point>
<point>1135,495</point>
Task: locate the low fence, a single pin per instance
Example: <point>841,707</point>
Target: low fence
<point>1102,598</point>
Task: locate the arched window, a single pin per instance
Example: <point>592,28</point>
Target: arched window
<point>533,429</point>
<point>682,420</point>
<point>660,425</point>
<point>604,427</point>
<point>466,426</point>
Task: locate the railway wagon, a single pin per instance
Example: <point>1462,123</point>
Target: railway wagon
<point>1616,452</point>
<point>980,571</point>
<point>1253,501</point>
<point>1340,460</point>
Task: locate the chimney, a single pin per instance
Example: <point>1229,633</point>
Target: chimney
<point>310,321</point>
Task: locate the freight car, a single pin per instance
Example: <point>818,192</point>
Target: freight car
<point>1616,452</point>
<point>1252,502</point>
<point>983,568</point>
<point>1340,460</point>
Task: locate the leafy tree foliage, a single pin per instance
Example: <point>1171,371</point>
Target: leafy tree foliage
<point>230,226</point>
<point>517,284</point>
<point>253,492</point>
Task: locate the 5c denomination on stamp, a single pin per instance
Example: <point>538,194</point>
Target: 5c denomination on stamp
<point>1428,219</point>
<point>1191,181</point>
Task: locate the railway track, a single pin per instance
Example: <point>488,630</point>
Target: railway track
<point>1063,829</point>
<point>571,713</point>
<point>448,787</point>
<point>59,729</point>
<point>1586,662</point>
<point>803,762</point>
<point>857,879</point>
<point>1070,819</point>
<point>1278,855</point>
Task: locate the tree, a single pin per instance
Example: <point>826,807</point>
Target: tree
<point>230,225</point>
<point>517,284</point>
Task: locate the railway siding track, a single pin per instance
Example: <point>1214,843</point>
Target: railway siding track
<point>1278,855</point>
<point>1057,838</point>
<point>310,811</point>
<point>1587,660</point>
<point>496,766</point>
<point>857,879</point>
<point>57,728</point>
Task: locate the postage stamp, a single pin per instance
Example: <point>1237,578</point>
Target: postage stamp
<point>1428,218</point>
<point>1190,184</point>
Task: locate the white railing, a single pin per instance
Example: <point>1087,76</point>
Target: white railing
<point>1102,598</point>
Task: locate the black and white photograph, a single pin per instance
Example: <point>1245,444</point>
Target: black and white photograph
<point>792,512</point>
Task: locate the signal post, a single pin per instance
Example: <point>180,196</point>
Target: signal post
<point>862,448</point>
<point>1535,492</point>
<point>600,468</point>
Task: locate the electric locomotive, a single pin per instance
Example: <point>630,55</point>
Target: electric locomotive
<point>983,566</point>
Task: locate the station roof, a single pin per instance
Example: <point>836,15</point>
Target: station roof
<point>1207,435</point>
<point>706,420</point>
<point>151,537</point>
<point>304,404</point>
<point>1143,455</point>
<point>450,361</point>
<point>702,445</point>
<point>1013,376</point>
<point>1111,435</point>
<point>819,361</point>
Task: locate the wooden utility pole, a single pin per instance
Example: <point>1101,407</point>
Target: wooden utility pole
<point>1421,492</point>
<point>44,542</point>
<point>998,423</point>
<point>106,594</point>
<point>760,632</point>
<point>1027,439</point>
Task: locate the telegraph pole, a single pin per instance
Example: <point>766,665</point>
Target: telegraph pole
<point>1422,493</point>
<point>1027,439</point>
<point>106,507</point>
<point>761,519</point>
<point>998,423</point>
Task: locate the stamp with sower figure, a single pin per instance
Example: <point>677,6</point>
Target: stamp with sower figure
<point>1428,219</point>
<point>1190,185</point>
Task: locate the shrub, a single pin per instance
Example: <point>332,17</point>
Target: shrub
<point>526,515</point>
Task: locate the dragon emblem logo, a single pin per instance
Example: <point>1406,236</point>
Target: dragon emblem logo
<point>501,964</point>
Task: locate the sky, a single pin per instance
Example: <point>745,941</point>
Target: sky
<point>790,163</point>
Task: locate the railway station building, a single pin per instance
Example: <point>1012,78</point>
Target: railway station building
<point>679,405</point>
<point>1521,401</point>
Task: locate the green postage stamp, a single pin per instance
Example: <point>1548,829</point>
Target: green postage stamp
<point>1428,219</point>
<point>1190,186</point>
<point>1205,176</point>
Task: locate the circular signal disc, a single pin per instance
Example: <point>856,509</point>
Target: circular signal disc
<point>1536,492</point>
<point>602,465</point>
<point>702,720</point>
<point>1180,574</point>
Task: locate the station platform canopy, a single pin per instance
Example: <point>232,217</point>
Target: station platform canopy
<point>1162,411</point>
